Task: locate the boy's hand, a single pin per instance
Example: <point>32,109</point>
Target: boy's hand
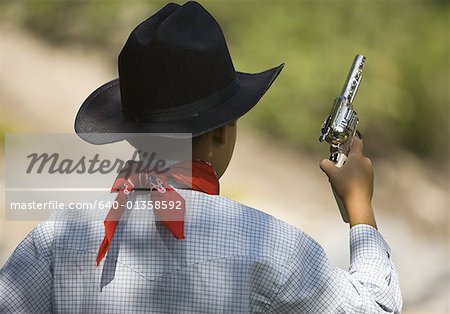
<point>353,183</point>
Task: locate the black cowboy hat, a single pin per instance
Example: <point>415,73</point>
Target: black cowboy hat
<point>175,76</point>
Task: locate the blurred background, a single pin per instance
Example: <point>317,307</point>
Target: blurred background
<point>53,54</point>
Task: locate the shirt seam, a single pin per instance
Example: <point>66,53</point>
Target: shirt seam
<point>174,270</point>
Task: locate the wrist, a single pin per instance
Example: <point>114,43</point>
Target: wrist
<point>360,212</point>
<point>358,202</point>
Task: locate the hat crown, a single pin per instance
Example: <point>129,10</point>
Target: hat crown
<point>176,57</point>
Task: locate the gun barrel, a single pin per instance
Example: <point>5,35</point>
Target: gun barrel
<point>354,79</point>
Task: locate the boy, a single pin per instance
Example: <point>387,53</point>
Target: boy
<point>217,255</point>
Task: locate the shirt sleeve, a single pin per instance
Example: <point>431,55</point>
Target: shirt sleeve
<point>312,285</point>
<point>26,278</point>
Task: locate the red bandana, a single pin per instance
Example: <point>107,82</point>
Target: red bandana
<point>202,178</point>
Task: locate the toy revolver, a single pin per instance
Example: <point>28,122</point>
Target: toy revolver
<point>340,127</point>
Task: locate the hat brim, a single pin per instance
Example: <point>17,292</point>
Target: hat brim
<point>100,119</point>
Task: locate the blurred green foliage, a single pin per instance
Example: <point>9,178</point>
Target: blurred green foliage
<point>403,102</point>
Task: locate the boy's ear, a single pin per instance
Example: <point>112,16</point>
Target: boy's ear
<point>220,135</point>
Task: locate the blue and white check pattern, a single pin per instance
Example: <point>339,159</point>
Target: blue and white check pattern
<point>235,259</point>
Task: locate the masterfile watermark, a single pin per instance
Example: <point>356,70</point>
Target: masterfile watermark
<point>53,163</point>
<point>61,177</point>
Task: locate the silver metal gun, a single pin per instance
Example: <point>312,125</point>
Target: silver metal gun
<point>340,126</point>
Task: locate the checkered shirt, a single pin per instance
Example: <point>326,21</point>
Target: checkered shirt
<point>235,259</point>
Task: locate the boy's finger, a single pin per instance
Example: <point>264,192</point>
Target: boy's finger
<point>357,146</point>
<point>328,166</point>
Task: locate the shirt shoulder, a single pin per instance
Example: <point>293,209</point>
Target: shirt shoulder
<point>241,229</point>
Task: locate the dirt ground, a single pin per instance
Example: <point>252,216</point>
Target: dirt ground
<point>41,88</point>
